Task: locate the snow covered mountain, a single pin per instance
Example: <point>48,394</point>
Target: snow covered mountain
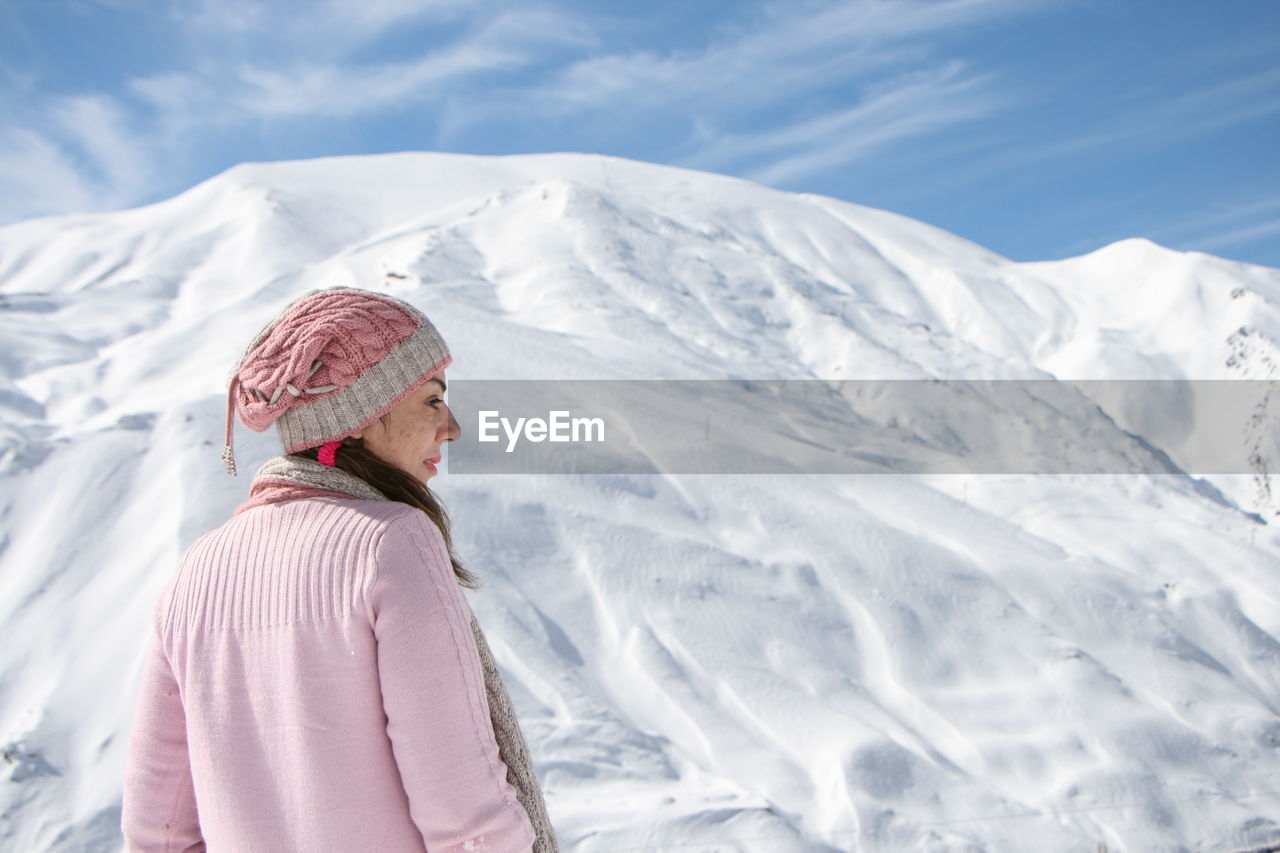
<point>727,662</point>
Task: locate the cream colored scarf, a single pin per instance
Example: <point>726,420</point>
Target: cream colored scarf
<point>289,478</point>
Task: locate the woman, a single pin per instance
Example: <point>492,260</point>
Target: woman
<point>316,681</point>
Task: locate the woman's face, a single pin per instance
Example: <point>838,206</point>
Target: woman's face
<point>410,435</point>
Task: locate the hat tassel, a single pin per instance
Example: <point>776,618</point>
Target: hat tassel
<point>228,450</point>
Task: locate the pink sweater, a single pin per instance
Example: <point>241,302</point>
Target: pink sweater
<point>313,685</point>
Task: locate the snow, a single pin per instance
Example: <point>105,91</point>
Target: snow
<point>700,662</point>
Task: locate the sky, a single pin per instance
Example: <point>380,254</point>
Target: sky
<point>1040,129</point>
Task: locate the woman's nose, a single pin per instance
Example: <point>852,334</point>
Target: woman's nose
<point>453,430</point>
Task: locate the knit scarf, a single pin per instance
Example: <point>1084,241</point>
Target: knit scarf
<point>287,478</point>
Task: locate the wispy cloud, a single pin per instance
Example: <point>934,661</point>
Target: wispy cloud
<point>37,178</point>
<point>1238,236</point>
<point>77,153</point>
<point>1209,108</point>
<point>342,73</point>
<point>1136,125</point>
<point>328,28</point>
<point>918,105</point>
<point>510,41</point>
<point>1223,225</point>
<point>790,48</point>
<point>334,90</point>
<point>99,130</point>
<point>244,63</point>
<point>798,89</point>
<point>842,78</point>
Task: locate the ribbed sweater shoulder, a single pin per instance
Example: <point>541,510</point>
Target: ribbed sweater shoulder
<point>303,561</point>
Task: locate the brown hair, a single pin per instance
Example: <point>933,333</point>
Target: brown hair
<point>397,485</point>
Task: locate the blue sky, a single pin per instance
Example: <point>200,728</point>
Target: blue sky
<point>1038,128</point>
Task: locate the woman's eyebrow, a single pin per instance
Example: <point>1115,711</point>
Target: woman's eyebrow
<point>440,382</point>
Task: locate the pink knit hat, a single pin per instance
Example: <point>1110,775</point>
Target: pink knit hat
<point>333,362</point>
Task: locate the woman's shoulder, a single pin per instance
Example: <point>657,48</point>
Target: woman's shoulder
<point>325,509</point>
<point>319,543</point>
<point>388,526</point>
<point>306,524</point>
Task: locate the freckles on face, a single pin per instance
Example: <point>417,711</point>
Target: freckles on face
<point>410,436</point>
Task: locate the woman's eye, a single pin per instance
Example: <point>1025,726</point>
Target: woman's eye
<point>434,402</point>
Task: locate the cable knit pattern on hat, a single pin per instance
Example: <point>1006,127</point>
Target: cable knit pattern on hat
<point>329,339</point>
